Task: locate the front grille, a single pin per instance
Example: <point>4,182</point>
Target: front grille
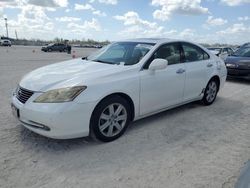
<point>23,94</point>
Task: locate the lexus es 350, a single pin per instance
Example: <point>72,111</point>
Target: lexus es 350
<point>101,94</point>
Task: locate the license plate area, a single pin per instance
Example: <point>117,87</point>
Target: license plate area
<point>15,111</point>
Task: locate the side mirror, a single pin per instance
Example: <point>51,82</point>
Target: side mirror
<point>158,64</point>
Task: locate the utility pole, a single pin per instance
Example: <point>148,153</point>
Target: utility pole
<point>16,35</point>
<point>6,25</point>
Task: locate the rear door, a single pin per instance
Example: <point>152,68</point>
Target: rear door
<point>198,66</point>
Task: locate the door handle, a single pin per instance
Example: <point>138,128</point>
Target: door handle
<point>209,64</point>
<point>180,71</point>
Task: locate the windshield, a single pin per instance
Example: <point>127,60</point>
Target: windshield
<point>127,53</point>
<point>242,52</point>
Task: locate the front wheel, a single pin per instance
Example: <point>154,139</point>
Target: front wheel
<point>210,92</point>
<point>110,118</point>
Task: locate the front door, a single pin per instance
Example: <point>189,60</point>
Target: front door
<point>162,88</point>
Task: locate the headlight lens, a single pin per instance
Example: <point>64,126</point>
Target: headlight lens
<point>60,95</point>
<point>231,65</point>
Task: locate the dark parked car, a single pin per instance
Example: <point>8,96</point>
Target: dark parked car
<point>59,47</point>
<point>238,64</point>
<point>5,42</point>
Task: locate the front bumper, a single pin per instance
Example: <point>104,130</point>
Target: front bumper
<point>57,120</point>
<point>238,72</point>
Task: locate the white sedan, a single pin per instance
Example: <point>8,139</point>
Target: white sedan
<point>101,94</point>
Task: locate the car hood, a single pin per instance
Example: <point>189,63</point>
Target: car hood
<point>67,74</point>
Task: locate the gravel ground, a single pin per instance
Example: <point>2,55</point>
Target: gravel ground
<point>192,146</point>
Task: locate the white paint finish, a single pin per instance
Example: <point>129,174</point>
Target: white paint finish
<point>150,91</point>
<point>161,88</point>
<point>197,74</point>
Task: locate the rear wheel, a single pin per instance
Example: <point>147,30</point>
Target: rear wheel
<point>110,118</point>
<point>210,92</point>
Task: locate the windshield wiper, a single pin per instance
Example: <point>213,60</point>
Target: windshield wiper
<point>101,61</point>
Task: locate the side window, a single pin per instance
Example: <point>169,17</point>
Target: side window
<point>225,50</point>
<point>170,52</point>
<point>230,51</point>
<point>194,53</point>
<point>206,56</point>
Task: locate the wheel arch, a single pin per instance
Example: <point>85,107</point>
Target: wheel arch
<point>120,94</point>
<point>124,96</point>
<point>217,79</point>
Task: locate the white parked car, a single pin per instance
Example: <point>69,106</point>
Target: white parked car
<point>222,52</point>
<point>101,94</point>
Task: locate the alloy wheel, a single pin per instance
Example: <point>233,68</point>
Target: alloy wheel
<point>112,120</point>
<point>211,91</point>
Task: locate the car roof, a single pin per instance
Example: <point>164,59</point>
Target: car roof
<point>150,40</point>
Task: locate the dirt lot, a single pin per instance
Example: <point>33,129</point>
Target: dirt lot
<point>188,147</point>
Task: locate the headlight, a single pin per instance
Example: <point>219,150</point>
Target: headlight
<point>60,95</point>
<point>231,65</point>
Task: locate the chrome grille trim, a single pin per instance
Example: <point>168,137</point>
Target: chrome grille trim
<point>23,94</point>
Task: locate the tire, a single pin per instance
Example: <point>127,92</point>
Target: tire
<point>110,119</point>
<point>210,92</point>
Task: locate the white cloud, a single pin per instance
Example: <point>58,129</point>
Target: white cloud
<point>245,18</point>
<point>49,3</point>
<point>99,13</point>
<point>68,19</point>
<point>86,26</point>
<point>215,21</point>
<point>91,8</point>
<point>235,2</point>
<point>169,7</point>
<point>187,33</point>
<point>137,27</point>
<point>111,2</point>
<point>83,7</point>
<point>132,18</point>
<point>237,34</point>
<point>32,20</point>
<point>238,28</point>
<point>1,11</point>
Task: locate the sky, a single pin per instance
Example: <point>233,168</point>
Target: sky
<point>203,21</point>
